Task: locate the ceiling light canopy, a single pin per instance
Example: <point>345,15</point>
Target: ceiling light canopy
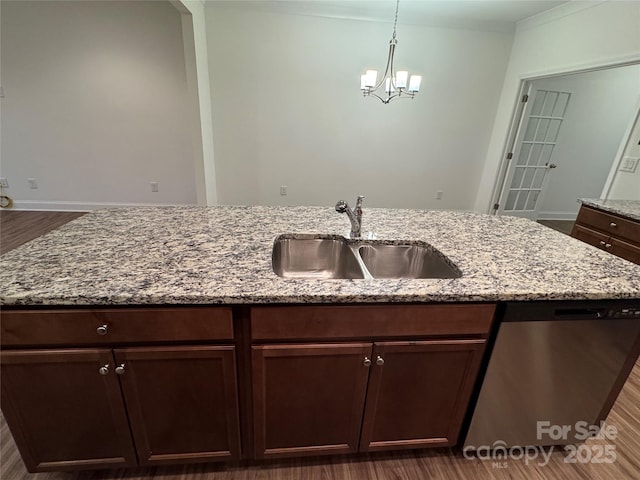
<point>393,84</point>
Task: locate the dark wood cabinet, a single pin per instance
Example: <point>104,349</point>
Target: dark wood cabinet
<point>401,376</point>
<point>615,234</point>
<point>589,236</point>
<point>103,388</point>
<point>63,413</point>
<point>117,405</point>
<point>308,399</point>
<point>418,393</point>
<point>182,402</point>
<point>626,250</point>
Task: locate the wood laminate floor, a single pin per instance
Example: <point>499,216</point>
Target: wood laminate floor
<point>444,464</point>
<point>17,227</point>
<point>562,226</point>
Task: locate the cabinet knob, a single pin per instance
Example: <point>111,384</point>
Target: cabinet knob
<point>102,329</point>
<point>613,224</point>
<point>607,245</point>
<point>104,370</point>
<point>603,243</point>
<point>367,362</point>
<point>120,369</point>
<point>379,360</point>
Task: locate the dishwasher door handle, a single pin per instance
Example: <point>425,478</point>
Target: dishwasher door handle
<point>578,313</point>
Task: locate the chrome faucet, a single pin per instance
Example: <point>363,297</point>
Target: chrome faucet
<point>355,215</point>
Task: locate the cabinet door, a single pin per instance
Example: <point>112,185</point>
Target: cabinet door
<point>418,393</point>
<point>182,402</point>
<point>308,399</point>
<point>62,412</point>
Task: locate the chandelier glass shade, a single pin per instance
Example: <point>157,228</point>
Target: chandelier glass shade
<point>393,84</point>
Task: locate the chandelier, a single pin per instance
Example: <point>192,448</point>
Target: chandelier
<point>396,84</point>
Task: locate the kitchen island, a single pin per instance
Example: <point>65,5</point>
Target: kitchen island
<point>162,335</point>
<point>191,255</point>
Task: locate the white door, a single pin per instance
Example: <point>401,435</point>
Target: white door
<point>531,161</point>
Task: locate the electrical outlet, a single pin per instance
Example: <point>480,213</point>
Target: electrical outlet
<point>283,190</point>
<point>439,194</point>
<point>629,164</point>
<point>154,186</point>
<point>4,183</point>
<point>33,184</point>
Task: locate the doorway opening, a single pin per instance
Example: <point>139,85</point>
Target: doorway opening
<point>565,141</point>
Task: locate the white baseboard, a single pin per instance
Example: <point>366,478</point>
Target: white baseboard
<point>569,216</point>
<point>75,206</point>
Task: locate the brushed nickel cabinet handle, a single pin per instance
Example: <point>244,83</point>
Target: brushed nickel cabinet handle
<point>104,370</point>
<point>607,245</point>
<point>367,362</point>
<point>120,369</point>
<point>379,360</point>
<point>613,224</point>
<point>102,329</point>
<point>602,242</point>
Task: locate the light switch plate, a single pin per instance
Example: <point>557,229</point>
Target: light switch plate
<point>629,164</point>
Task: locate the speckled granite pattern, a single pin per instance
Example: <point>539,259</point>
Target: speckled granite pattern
<point>199,255</point>
<point>625,208</point>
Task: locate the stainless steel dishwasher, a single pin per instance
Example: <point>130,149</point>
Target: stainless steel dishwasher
<point>554,362</point>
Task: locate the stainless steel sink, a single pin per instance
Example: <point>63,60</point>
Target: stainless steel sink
<point>314,258</point>
<point>406,261</point>
<point>336,257</point>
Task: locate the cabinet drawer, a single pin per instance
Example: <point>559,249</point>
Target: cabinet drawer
<point>70,327</point>
<point>589,236</point>
<point>371,321</point>
<point>610,224</point>
<point>625,250</point>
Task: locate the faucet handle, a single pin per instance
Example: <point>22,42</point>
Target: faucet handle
<point>342,206</point>
<point>359,201</point>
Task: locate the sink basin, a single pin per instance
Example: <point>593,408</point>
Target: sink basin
<point>314,258</point>
<point>406,261</point>
<point>336,257</point>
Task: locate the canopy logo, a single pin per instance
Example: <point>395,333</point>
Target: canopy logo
<point>499,453</point>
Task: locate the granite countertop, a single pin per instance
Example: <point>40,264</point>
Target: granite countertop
<point>625,208</point>
<point>222,255</point>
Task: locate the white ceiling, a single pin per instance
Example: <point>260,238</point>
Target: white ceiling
<point>500,15</point>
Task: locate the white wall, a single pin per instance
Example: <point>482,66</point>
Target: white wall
<point>96,104</point>
<point>566,39</point>
<point>287,110</point>
<point>601,106</point>
<point>626,185</point>
<point>195,40</point>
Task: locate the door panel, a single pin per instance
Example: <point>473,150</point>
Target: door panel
<point>528,173</point>
<point>418,393</point>
<point>182,402</point>
<point>62,412</point>
<point>308,399</point>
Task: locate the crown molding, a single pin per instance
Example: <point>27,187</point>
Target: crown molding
<point>556,13</point>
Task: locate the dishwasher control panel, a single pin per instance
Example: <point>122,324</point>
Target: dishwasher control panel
<point>624,313</point>
<point>571,310</point>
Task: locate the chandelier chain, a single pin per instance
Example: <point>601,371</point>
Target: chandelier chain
<point>395,21</point>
